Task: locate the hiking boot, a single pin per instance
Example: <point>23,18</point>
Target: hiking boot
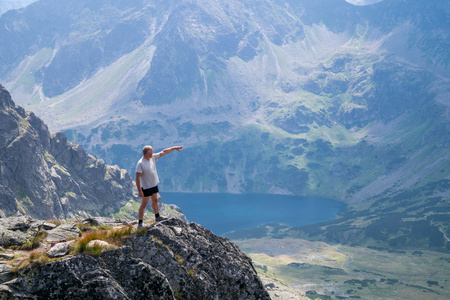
<point>140,226</point>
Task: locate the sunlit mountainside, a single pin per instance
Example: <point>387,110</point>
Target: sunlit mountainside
<point>347,100</point>
<point>363,2</point>
<point>275,96</point>
<point>6,5</point>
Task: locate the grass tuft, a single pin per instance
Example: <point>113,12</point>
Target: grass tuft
<point>55,222</point>
<point>88,227</point>
<point>34,259</point>
<point>112,236</point>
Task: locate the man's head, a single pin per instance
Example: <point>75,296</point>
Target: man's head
<point>147,150</point>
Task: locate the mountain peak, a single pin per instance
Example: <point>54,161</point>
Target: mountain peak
<point>5,99</point>
<point>45,176</point>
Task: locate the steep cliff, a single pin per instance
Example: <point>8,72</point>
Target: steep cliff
<point>45,176</point>
<point>172,260</point>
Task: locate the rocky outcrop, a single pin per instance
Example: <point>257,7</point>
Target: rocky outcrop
<point>18,230</point>
<point>45,176</point>
<point>173,260</point>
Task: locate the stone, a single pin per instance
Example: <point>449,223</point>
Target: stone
<point>63,233</point>
<point>16,223</point>
<point>270,286</point>
<point>18,230</point>
<point>101,221</point>
<point>99,243</point>
<point>59,249</point>
<point>139,279</point>
<point>5,273</point>
<point>48,226</point>
<point>7,256</point>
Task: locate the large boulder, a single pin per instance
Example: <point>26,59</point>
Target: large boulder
<point>18,230</point>
<point>197,263</point>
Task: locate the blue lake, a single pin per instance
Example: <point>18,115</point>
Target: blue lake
<point>222,213</point>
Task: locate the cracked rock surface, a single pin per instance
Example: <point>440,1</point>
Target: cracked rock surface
<point>172,260</point>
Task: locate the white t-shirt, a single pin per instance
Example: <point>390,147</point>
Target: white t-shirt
<point>147,168</point>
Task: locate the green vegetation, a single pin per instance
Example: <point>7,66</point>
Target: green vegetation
<point>25,80</point>
<point>130,210</point>
<point>326,271</point>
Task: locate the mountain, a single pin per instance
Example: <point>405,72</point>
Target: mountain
<point>363,2</point>
<point>6,5</point>
<point>45,176</point>
<point>271,96</point>
<point>168,260</point>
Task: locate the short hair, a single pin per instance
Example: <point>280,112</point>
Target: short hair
<point>146,149</point>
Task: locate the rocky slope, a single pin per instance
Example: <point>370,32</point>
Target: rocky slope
<point>45,176</point>
<point>172,260</point>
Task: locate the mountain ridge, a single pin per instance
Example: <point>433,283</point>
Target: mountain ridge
<point>43,175</point>
<point>304,84</point>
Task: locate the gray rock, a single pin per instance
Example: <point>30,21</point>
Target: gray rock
<point>101,221</point>
<point>197,263</point>
<point>16,223</point>
<point>100,243</point>
<point>45,176</point>
<point>5,274</point>
<point>114,275</point>
<point>140,280</point>
<point>7,256</point>
<point>48,226</point>
<point>59,249</point>
<point>76,277</point>
<point>18,230</point>
<point>173,260</point>
<point>63,233</point>
<point>175,211</point>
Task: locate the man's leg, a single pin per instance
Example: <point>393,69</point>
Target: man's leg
<point>144,203</point>
<point>155,204</point>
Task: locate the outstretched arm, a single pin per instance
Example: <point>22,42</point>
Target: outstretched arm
<point>168,150</point>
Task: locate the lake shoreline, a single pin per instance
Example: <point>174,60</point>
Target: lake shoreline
<point>224,212</point>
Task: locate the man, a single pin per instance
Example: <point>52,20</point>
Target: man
<point>146,173</point>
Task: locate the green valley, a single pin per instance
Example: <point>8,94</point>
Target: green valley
<point>318,270</point>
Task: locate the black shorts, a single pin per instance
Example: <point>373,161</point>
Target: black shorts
<point>150,191</point>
